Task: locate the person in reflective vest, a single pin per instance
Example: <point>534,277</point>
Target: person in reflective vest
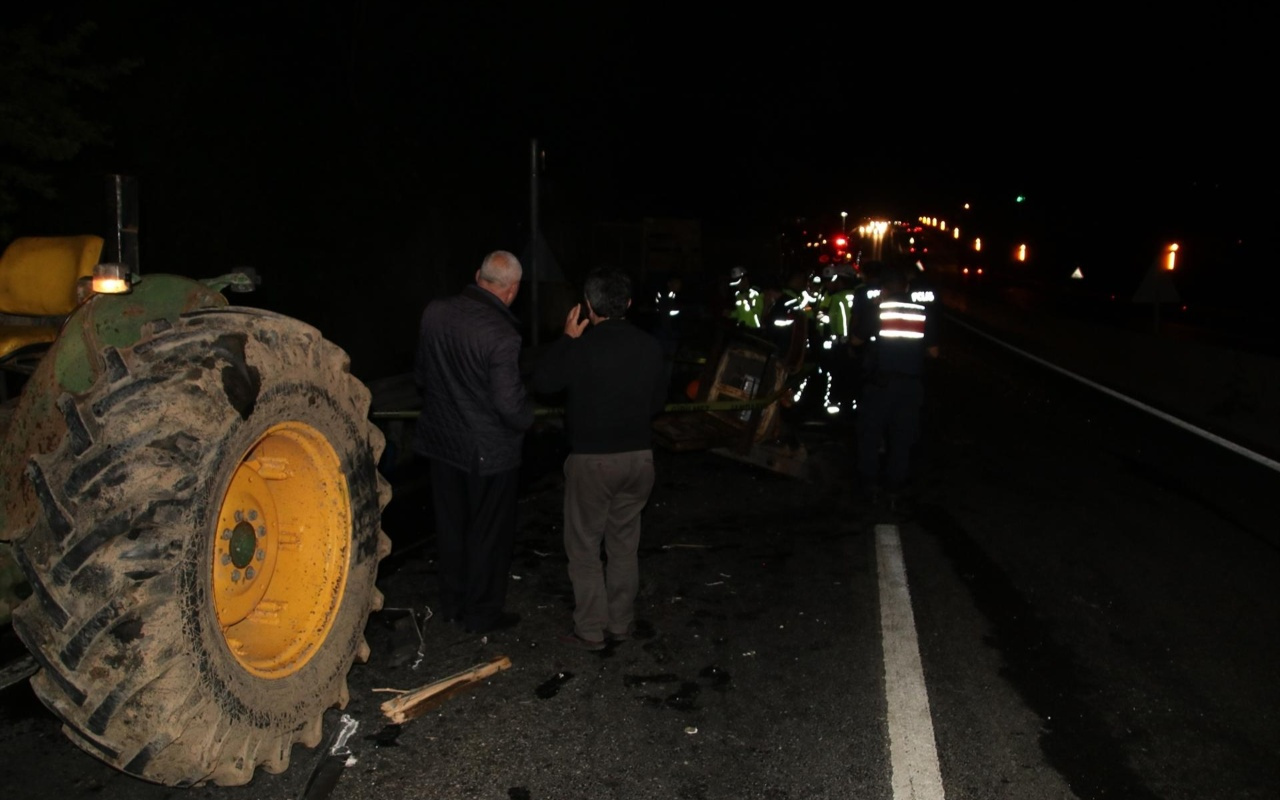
<point>796,296</point>
<point>784,323</point>
<point>815,294</point>
<point>836,358</point>
<point>668,324</point>
<point>748,302</point>
<point>898,335</point>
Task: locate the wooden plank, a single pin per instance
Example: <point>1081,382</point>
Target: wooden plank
<point>414,703</point>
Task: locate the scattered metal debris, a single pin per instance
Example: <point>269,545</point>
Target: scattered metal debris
<point>418,622</point>
<point>550,687</point>
<point>326,774</point>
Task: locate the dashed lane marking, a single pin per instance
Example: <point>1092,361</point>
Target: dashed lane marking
<point>913,754</point>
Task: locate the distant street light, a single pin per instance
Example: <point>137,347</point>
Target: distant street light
<point>844,215</point>
<point>1170,255</point>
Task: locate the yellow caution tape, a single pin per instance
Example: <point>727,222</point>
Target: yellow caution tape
<point>670,408</point>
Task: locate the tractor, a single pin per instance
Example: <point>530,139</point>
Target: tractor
<point>190,512</point>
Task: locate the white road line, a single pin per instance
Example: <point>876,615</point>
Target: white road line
<point>913,755</point>
<point>1213,437</point>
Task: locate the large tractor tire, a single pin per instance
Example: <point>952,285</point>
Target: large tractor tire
<point>204,564</point>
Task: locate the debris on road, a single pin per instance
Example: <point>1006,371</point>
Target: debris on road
<point>418,619</point>
<point>325,776</point>
<point>412,704</point>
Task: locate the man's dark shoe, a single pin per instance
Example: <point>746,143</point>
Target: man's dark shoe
<point>624,636</point>
<point>507,619</point>
<point>572,639</point>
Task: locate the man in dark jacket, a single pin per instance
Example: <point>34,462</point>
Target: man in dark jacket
<point>474,414</point>
<point>612,375</point>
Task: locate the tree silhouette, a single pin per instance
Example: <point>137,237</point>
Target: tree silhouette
<point>45,75</point>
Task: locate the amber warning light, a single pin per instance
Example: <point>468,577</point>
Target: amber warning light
<point>111,279</point>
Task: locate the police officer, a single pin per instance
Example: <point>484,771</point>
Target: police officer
<point>922,290</point>
<point>898,334</point>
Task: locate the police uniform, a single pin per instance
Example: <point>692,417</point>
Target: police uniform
<point>898,333</point>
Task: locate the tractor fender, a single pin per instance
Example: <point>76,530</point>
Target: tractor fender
<point>72,365</point>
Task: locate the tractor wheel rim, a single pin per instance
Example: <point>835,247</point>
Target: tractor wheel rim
<point>281,550</point>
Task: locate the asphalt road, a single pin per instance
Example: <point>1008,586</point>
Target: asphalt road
<point>1091,600</point>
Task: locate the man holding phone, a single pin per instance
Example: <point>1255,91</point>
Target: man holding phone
<point>612,374</point>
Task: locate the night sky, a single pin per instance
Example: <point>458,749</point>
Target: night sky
<point>386,146</point>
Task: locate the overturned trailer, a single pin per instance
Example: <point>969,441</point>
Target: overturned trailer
<point>738,402</point>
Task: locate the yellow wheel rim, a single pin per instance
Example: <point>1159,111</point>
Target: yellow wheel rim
<point>281,550</point>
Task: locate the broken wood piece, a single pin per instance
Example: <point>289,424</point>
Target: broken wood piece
<point>413,704</point>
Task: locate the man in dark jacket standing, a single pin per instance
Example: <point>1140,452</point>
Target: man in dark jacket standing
<point>613,378</point>
<point>475,411</point>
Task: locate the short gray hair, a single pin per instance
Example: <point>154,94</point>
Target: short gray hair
<point>501,268</point>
